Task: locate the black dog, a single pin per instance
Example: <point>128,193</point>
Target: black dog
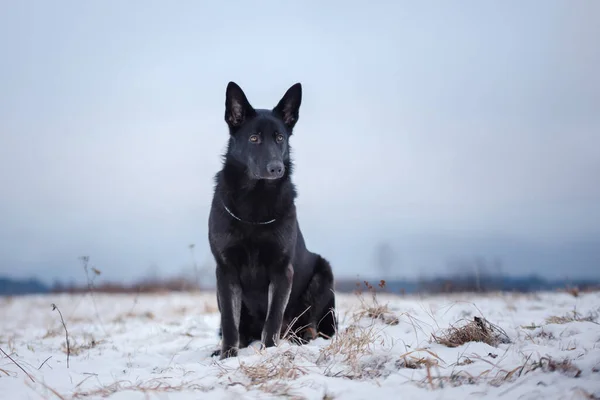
<point>267,281</point>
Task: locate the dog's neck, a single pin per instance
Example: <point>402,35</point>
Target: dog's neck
<point>253,200</point>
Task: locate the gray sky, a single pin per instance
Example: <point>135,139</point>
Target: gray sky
<point>447,132</point>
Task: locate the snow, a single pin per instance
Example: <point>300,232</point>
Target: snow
<point>159,346</point>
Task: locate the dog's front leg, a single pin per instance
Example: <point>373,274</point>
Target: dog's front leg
<point>280,288</point>
<point>229,294</point>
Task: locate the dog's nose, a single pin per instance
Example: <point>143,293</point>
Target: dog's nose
<point>275,169</point>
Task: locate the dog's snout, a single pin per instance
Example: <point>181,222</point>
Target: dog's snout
<point>275,169</point>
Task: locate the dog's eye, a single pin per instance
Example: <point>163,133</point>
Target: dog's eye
<point>279,138</point>
<point>254,138</point>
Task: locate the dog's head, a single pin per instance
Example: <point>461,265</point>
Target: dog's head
<point>259,138</point>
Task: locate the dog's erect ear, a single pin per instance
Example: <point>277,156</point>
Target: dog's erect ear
<point>289,105</point>
<point>237,107</point>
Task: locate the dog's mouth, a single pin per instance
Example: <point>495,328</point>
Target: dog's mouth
<point>266,176</point>
<point>259,177</point>
<point>271,178</point>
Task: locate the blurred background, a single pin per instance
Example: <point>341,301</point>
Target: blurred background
<point>435,142</point>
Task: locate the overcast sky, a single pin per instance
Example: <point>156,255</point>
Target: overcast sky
<point>446,132</point>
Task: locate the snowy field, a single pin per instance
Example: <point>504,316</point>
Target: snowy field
<point>158,346</point>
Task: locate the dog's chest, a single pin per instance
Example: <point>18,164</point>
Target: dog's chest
<point>254,256</point>
<point>253,273</point>
<point>254,279</point>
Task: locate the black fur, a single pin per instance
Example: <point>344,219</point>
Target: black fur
<point>265,275</point>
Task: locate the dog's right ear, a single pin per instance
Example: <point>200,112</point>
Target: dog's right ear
<point>237,107</point>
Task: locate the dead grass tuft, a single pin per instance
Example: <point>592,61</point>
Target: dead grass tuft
<point>351,344</point>
<point>495,376</point>
<point>586,395</point>
<point>149,315</point>
<point>572,290</point>
<point>51,333</point>
<point>548,364</point>
<point>156,385</point>
<point>572,317</point>
<point>379,312</point>
<point>350,352</point>
<point>76,349</point>
<point>273,375</point>
<point>478,330</point>
<point>531,326</point>
<point>455,379</point>
<point>374,309</point>
<point>408,360</point>
<point>280,366</point>
<point>465,361</point>
<point>545,335</point>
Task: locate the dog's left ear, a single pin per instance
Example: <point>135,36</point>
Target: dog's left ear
<point>289,105</point>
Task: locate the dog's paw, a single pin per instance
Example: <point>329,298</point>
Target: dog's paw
<point>309,334</point>
<point>232,352</point>
<point>304,336</point>
<point>256,345</point>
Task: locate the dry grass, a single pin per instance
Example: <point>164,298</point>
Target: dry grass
<point>350,343</point>
<point>586,395</point>
<point>547,364</point>
<point>478,330</point>
<point>350,352</point>
<point>545,335</point>
<point>77,349</point>
<point>571,317</point>
<point>68,346</point>
<point>455,379</point>
<point>572,290</point>
<point>274,374</point>
<point>494,376</point>
<point>577,291</point>
<point>461,377</point>
<point>408,360</point>
<point>149,315</point>
<point>530,327</point>
<point>156,385</point>
<point>374,309</point>
<point>17,364</point>
<point>51,333</point>
<point>279,366</point>
<point>465,361</point>
<point>379,312</point>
